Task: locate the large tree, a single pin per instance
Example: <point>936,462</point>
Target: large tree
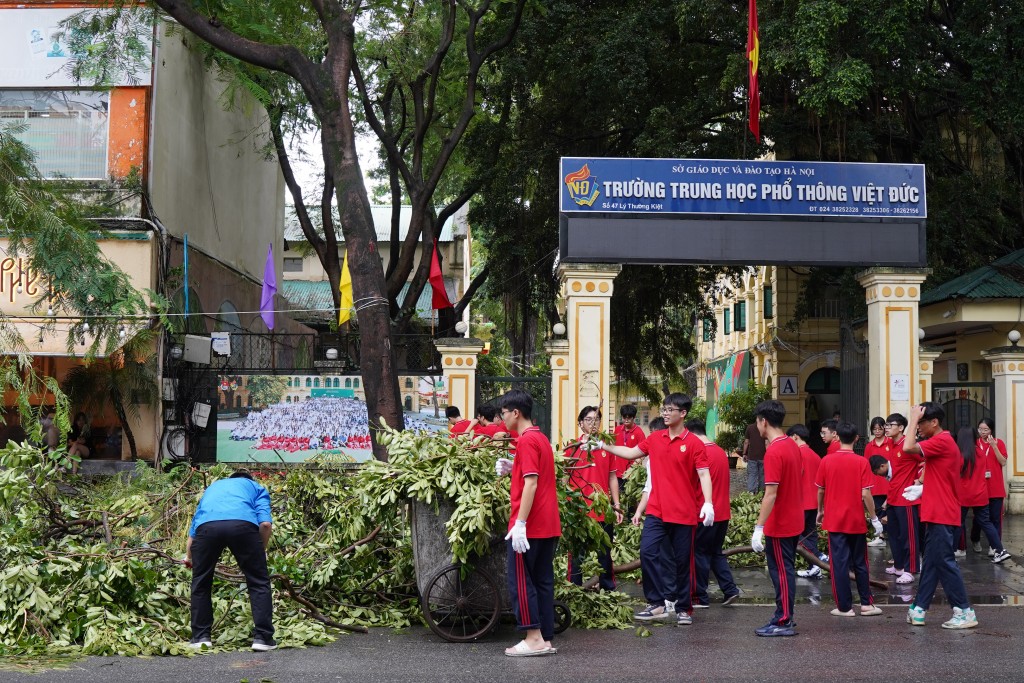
<point>413,73</point>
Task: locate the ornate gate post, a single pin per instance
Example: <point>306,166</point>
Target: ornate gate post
<point>459,362</point>
<point>1008,413</point>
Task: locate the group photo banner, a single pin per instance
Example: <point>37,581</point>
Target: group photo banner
<point>753,188</point>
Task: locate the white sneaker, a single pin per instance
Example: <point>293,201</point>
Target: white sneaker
<point>962,618</point>
<point>959,554</point>
<point>1000,557</point>
<point>813,573</point>
<point>878,542</point>
<point>977,546</point>
<point>991,552</point>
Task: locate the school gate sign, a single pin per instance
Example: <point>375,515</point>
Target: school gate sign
<point>708,211</point>
<point>742,212</point>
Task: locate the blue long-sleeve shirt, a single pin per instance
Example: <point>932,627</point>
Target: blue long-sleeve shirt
<point>234,498</point>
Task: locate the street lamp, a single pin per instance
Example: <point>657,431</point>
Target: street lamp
<point>461,327</point>
<point>1014,337</point>
<point>558,329</point>
<point>331,353</point>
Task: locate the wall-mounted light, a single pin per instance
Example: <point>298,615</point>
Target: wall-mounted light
<point>920,334</point>
<point>558,329</point>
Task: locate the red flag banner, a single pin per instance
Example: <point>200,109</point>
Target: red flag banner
<point>753,57</point>
<point>440,297</point>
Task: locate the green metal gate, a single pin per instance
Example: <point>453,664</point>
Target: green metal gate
<point>489,389</point>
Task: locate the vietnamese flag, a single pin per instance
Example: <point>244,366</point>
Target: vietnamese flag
<point>440,297</point>
<point>753,57</point>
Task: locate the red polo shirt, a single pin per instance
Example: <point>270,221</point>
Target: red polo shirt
<point>844,475</point>
<point>832,447</point>
<point>674,464</point>
<point>884,449</point>
<point>586,479</point>
<point>629,439</point>
<point>783,466</point>
<point>905,469</point>
<point>534,457</point>
<point>972,490</point>
<point>718,466</point>
<point>939,501</point>
<point>488,430</point>
<point>810,461</point>
<point>459,427</point>
<point>996,484</point>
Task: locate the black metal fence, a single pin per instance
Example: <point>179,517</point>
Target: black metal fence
<point>853,378</point>
<point>489,389</point>
<point>965,403</point>
<point>254,353</point>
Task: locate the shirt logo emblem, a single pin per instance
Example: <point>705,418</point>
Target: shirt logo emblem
<point>682,449</point>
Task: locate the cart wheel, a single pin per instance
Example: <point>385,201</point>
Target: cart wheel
<point>461,609</point>
<point>563,616</point>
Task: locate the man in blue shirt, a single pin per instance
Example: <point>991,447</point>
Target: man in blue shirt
<point>233,513</point>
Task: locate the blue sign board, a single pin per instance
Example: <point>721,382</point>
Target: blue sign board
<point>756,188</point>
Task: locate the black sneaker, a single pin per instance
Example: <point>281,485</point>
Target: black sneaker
<point>264,644</point>
<point>730,599</point>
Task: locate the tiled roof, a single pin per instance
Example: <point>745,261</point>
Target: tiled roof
<point>454,226</point>
<point>315,300</point>
<point>1003,278</point>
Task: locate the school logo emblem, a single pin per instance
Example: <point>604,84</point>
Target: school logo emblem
<point>582,186</point>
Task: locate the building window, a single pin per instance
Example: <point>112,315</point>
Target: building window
<point>355,383</point>
<point>727,321</point>
<point>66,129</point>
<point>289,382</point>
<point>769,305</point>
<point>309,382</point>
<point>708,330</point>
<point>348,382</point>
<point>292,265</point>
<point>408,382</point>
<point>740,314</point>
<point>287,399</point>
<point>316,382</point>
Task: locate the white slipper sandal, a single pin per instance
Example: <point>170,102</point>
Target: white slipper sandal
<point>521,649</point>
<point>905,577</point>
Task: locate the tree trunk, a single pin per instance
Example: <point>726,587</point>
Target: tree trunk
<point>126,428</point>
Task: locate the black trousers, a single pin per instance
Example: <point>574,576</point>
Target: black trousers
<point>781,553</point>
<point>604,558</point>
<point>243,539</point>
<point>846,552</point>
<point>531,585</point>
<point>810,534</point>
<point>708,557</point>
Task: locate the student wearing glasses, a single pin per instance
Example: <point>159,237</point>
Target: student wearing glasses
<point>679,476</point>
<point>879,444</point>
<point>593,469</point>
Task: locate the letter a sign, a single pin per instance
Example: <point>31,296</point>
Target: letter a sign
<point>787,386</point>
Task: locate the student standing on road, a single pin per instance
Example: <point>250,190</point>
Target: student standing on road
<point>829,436</point>
<point>973,494</point>
<point>782,516</point>
<point>592,469</point>
<point>939,516</point>
<point>904,515</point>
<point>844,483</point>
<point>809,494</point>
<point>629,434</point>
<point>679,469</point>
<point>753,456</point>
<point>708,555</point>
<point>992,452</point>
<point>233,513</point>
<point>534,527</point>
<point>878,444</point>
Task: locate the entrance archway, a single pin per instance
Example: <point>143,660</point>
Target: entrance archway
<point>823,400</point>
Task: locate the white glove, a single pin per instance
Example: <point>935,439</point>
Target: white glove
<point>518,536</point>
<point>878,526</point>
<point>707,513</point>
<point>503,467</point>
<point>913,492</point>
<point>757,540</point>
<point>888,474</point>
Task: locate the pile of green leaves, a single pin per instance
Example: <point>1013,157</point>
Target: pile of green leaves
<point>94,567</point>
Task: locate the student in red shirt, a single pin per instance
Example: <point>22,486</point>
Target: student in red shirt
<point>879,444</point>
<point>781,518</point>
<point>589,471</point>
<point>940,515</point>
<point>904,515</point>
<point>627,434</point>
<point>992,452</point>
<point>456,425</point>
<point>708,555</point>
<point>973,493</point>
<point>487,422</point>
<point>844,483</point>
<point>533,528</point>
<point>829,436</point>
<point>809,494</point>
<point>679,469</point>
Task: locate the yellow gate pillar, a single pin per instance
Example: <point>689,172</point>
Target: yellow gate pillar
<point>927,355</point>
<point>562,428</point>
<point>587,291</point>
<point>458,362</point>
<point>1008,375</point>
<point>893,357</point>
